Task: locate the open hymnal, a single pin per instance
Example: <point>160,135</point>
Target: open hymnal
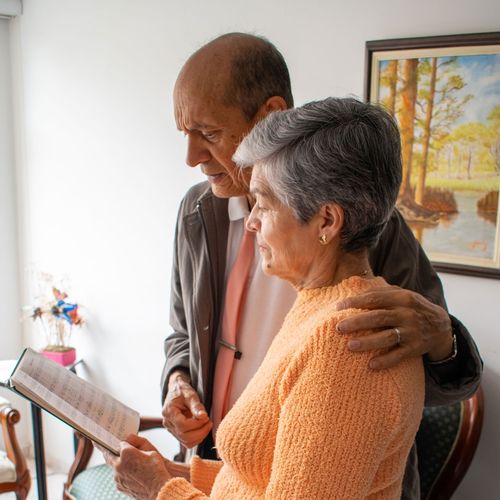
<point>75,401</point>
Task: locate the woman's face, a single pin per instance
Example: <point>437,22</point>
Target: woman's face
<point>288,247</point>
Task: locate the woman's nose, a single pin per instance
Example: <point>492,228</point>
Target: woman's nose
<point>252,222</point>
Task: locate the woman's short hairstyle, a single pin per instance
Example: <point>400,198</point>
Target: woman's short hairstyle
<point>339,150</point>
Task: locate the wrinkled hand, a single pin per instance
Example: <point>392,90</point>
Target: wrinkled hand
<point>140,470</point>
<point>183,413</point>
<point>424,327</point>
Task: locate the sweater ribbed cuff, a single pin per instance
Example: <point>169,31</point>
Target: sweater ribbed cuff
<point>179,488</point>
<point>203,473</point>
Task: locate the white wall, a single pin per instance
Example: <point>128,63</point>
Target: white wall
<point>103,165</point>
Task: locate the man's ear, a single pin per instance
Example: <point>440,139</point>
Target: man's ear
<point>331,220</point>
<point>274,103</point>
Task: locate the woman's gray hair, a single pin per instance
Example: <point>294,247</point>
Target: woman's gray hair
<point>338,150</point>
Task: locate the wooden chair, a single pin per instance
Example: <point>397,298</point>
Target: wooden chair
<point>83,483</point>
<point>446,443</point>
<point>14,472</point>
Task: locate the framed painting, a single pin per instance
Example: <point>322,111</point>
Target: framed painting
<point>445,94</point>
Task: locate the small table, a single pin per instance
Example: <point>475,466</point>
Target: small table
<point>6,368</point>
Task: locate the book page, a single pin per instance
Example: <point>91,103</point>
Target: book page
<point>76,401</point>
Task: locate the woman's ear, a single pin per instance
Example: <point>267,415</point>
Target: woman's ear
<point>331,221</point>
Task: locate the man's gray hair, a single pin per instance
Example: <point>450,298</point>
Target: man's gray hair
<point>339,150</point>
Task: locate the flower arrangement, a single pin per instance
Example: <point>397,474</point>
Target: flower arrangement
<point>60,317</point>
<point>57,316</point>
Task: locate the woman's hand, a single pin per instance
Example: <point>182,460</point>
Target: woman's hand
<point>424,328</point>
<point>140,470</point>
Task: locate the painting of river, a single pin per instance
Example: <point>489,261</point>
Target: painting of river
<point>462,235</point>
<point>446,101</point>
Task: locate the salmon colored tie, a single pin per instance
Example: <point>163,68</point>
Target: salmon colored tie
<point>233,307</point>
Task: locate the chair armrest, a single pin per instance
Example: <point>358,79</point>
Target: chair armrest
<point>9,417</point>
<point>150,423</point>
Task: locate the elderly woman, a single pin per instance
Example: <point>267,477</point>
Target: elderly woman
<point>314,422</point>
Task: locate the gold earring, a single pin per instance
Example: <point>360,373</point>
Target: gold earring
<point>323,240</point>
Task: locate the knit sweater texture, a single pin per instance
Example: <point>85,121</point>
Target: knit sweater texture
<point>314,422</point>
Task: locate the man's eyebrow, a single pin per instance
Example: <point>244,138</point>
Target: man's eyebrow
<point>197,126</point>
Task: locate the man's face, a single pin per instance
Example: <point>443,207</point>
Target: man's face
<point>213,132</point>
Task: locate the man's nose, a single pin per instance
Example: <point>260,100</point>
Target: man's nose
<point>197,151</point>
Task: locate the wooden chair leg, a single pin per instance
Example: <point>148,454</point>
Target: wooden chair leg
<point>82,457</point>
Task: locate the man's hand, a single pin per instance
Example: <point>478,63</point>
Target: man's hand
<point>140,470</point>
<point>424,328</point>
<point>183,413</point>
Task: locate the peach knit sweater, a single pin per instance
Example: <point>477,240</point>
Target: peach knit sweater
<point>314,422</point>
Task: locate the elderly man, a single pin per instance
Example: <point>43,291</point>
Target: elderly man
<point>222,91</point>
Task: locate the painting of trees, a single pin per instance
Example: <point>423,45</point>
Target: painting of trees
<point>389,78</point>
<point>494,135</point>
<point>428,95</point>
<point>447,106</point>
<point>424,96</point>
<point>408,97</point>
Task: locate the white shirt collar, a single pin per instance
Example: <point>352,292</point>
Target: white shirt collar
<point>237,208</point>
